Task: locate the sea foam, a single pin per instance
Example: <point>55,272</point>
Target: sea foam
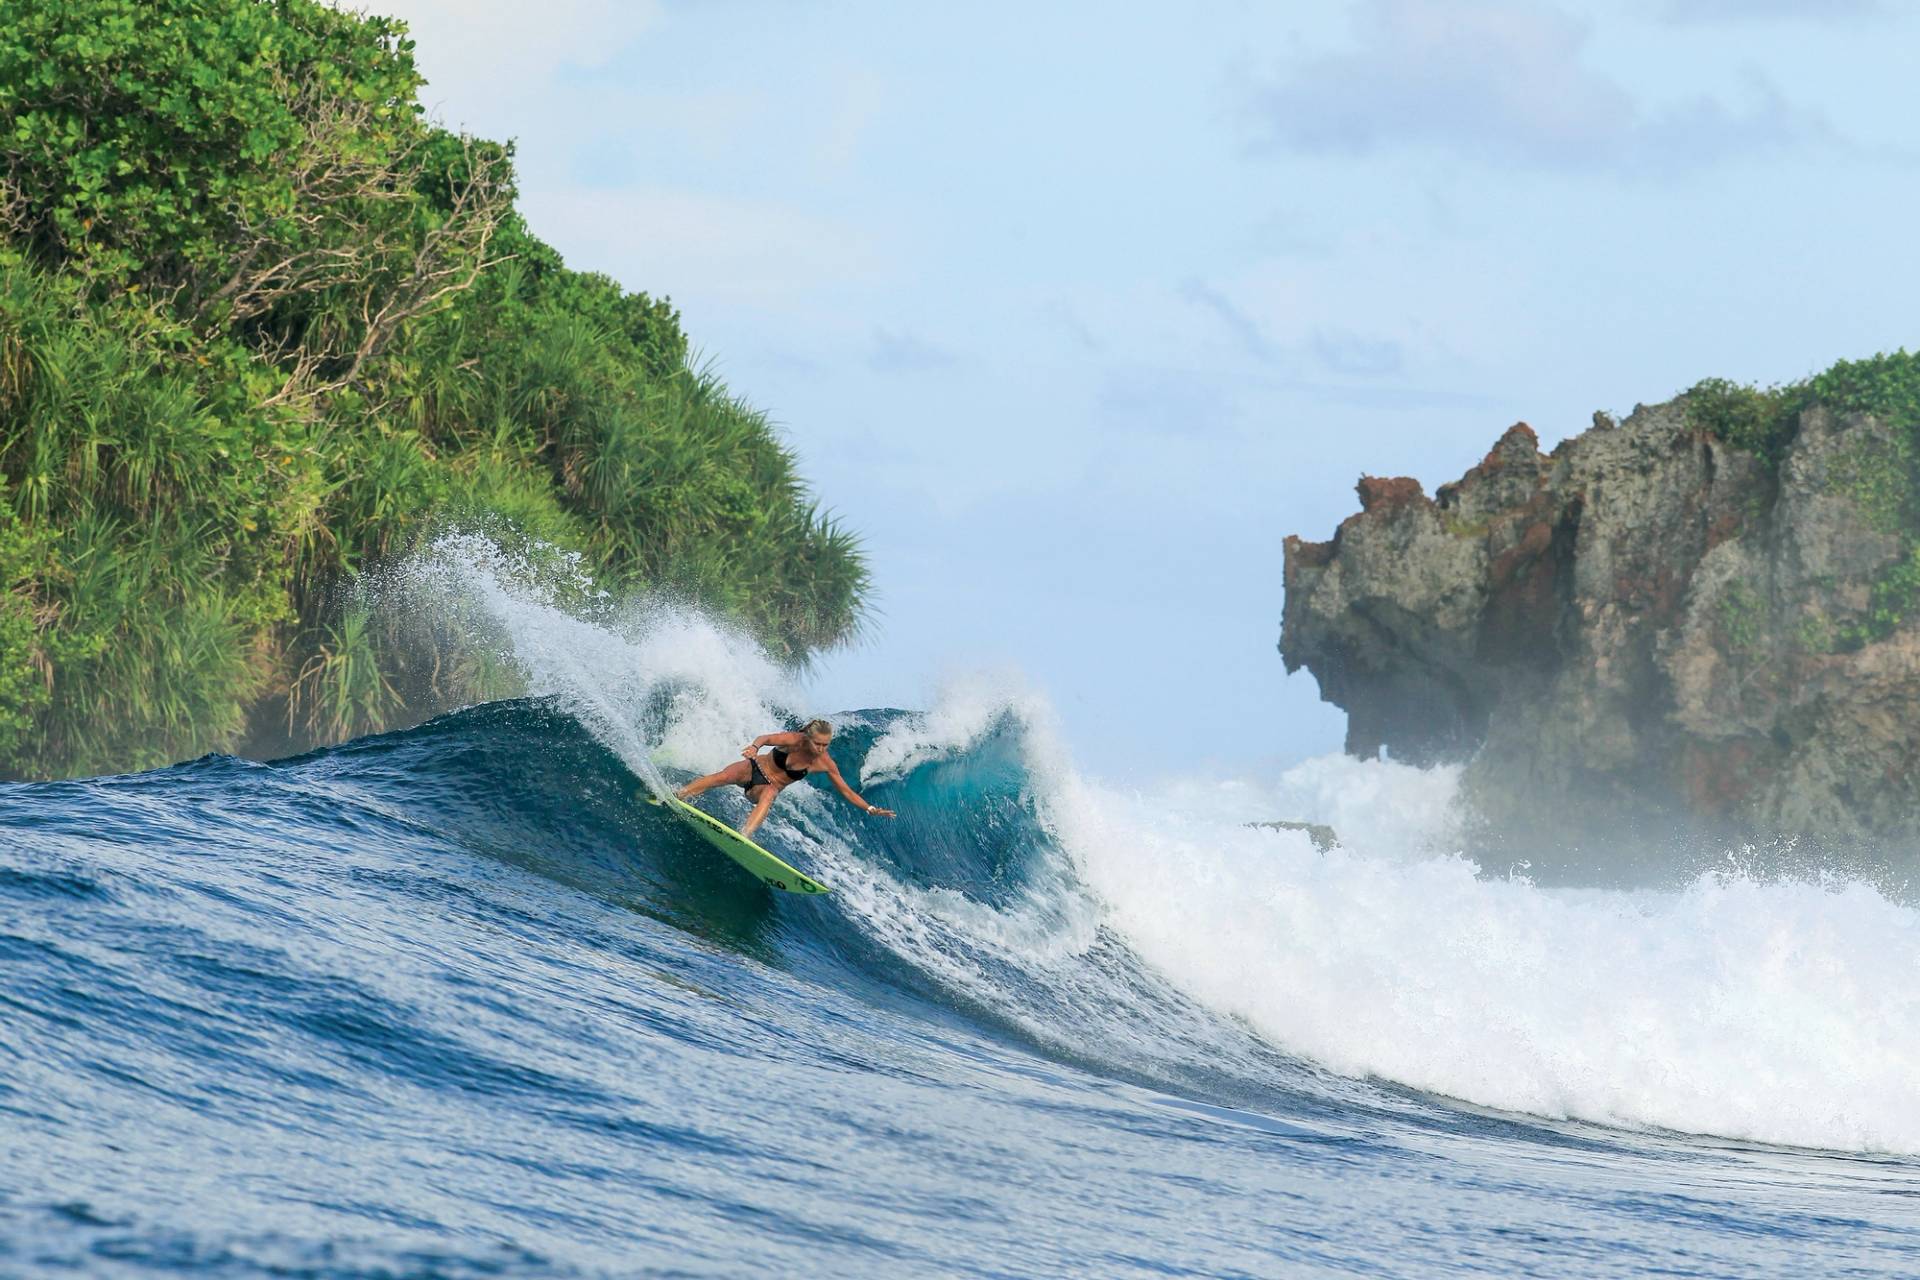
<point>1779,1011</point>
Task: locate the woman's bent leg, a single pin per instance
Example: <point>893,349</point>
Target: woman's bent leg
<point>733,775</point>
<point>762,798</point>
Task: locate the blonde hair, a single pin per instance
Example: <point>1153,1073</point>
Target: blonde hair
<point>818,726</point>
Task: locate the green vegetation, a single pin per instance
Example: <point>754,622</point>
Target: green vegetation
<point>1876,477</point>
<point>1814,634</point>
<point>263,327</point>
<point>1741,616</point>
<point>1881,475</point>
<point>1763,420</point>
<point>1891,602</point>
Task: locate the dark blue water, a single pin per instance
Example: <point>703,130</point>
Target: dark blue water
<point>450,1002</point>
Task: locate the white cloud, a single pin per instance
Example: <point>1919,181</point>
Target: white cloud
<point>694,245</point>
<point>1503,82</point>
<point>476,52</point>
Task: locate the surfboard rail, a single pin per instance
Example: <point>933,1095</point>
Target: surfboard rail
<point>771,870</point>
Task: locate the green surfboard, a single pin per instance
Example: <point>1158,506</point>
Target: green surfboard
<point>772,872</point>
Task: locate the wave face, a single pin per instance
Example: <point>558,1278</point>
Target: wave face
<point>453,1002</point>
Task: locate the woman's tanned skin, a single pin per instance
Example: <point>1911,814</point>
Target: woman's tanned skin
<point>806,751</point>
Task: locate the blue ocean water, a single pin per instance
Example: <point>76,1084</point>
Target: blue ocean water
<point>452,1002</point>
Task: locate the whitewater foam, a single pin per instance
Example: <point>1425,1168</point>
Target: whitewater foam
<point>1779,1012</point>
<point>1773,1010</point>
<point>966,708</point>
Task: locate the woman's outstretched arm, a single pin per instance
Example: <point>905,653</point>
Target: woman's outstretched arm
<point>833,771</point>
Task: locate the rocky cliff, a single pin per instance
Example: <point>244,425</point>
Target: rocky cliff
<point>1650,625</point>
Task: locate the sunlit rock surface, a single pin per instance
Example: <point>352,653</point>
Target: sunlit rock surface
<point>1646,625</point>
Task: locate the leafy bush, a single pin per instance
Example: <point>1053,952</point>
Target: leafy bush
<point>264,327</point>
<point>1759,420</point>
<point>1882,480</point>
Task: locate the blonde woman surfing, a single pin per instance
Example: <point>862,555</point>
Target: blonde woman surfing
<point>762,777</point>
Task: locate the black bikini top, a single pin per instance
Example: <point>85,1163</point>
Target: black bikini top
<point>780,759</point>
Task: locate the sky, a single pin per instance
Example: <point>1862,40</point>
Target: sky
<point>1075,311</point>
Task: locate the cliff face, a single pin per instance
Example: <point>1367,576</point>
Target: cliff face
<point>1646,625</point>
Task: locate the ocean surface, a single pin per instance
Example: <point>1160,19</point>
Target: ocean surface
<point>454,1002</point>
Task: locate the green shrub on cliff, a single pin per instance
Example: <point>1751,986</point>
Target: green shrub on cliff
<point>1881,477</point>
<point>1759,420</point>
<point>263,327</point>
<point>1762,420</point>
<point>1886,386</point>
<point>1893,597</point>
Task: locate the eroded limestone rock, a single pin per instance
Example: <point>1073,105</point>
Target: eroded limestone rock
<point>1646,623</point>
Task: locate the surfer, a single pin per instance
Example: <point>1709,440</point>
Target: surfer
<point>793,757</point>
